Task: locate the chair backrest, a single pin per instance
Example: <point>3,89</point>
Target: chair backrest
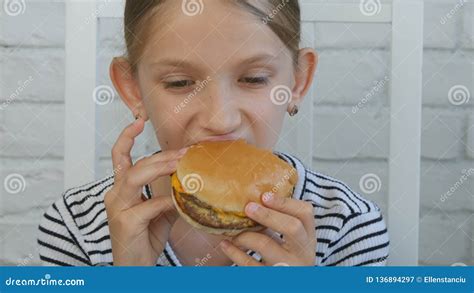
<point>406,17</point>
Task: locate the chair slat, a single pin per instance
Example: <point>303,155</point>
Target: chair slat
<point>405,131</point>
<point>80,156</point>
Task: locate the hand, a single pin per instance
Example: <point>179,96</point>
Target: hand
<point>139,229</point>
<point>292,218</point>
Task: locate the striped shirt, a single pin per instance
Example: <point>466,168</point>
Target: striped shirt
<point>350,230</point>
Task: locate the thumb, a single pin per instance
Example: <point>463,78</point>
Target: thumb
<point>155,207</point>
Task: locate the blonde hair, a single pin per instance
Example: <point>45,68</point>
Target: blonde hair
<point>282,16</point>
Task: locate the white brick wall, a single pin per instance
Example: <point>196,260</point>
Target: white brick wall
<point>354,58</point>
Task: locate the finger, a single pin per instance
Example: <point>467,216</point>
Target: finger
<point>239,257</point>
<point>267,247</point>
<point>291,228</point>
<point>274,235</point>
<point>121,159</point>
<point>164,156</point>
<point>160,226</point>
<point>297,208</point>
<point>151,209</point>
<point>139,176</point>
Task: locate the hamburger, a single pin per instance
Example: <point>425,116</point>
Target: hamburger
<point>215,180</point>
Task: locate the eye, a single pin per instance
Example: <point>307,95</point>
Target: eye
<point>179,84</point>
<point>255,80</point>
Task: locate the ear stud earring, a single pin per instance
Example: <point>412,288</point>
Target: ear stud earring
<point>294,110</point>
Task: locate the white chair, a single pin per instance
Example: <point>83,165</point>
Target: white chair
<point>406,17</point>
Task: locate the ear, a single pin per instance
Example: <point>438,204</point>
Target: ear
<point>126,84</point>
<point>304,74</point>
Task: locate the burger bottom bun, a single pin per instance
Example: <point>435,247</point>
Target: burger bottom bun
<point>212,230</point>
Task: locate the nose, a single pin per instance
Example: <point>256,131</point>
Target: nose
<point>221,113</point>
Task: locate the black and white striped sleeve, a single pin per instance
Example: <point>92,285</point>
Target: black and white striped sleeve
<point>361,241</point>
<point>56,244</point>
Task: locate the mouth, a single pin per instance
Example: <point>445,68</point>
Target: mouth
<point>220,138</point>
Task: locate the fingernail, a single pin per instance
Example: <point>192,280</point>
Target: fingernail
<point>252,207</point>
<point>267,196</point>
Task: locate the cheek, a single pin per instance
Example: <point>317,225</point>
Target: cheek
<point>161,108</point>
<point>266,122</point>
<point>169,126</point>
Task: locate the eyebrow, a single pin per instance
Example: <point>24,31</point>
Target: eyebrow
<point>180,63</point>
<point>174,62</point>
<point>265,57</point>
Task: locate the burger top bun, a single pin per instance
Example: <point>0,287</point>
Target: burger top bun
<point>229,174</point>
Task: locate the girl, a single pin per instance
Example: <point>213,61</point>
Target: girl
<point>208,71</point>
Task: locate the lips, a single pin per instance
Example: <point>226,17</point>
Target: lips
<point>218,138</point>
<point>221,137</point>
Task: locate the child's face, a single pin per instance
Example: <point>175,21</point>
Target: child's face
<point>212,74</point>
